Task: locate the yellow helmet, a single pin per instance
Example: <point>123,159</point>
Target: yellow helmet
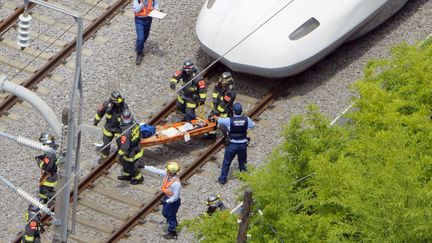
<point>173,167</point>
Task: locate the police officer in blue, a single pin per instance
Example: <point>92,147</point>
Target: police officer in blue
<point>236,128</point>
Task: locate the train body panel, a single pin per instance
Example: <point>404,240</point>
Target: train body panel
<point>299,34</point>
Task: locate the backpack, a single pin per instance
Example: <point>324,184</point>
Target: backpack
<point>147,130</point>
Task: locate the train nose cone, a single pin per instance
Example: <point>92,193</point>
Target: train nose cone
<point>236,33</point>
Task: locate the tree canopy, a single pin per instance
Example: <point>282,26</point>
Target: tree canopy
<point>369,180</point>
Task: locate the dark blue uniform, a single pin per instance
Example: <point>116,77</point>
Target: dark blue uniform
<point>238,126</point>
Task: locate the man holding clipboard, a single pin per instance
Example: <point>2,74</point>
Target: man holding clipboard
<point>143,20</point>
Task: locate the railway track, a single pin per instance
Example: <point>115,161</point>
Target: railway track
<point>49,62</point>
<point>139,212</point>
<point>102,182</point>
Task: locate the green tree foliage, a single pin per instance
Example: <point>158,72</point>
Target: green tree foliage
<point>367,181</point>
<point>221,227</point>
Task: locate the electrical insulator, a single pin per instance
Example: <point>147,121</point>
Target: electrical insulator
<point>24,30</point>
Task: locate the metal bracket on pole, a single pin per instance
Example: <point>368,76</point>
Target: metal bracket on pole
<point>62,202</point>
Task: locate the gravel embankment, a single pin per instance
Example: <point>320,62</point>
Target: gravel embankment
<point>112,67</point>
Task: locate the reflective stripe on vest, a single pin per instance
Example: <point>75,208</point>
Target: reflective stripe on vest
<point>50,184</point>
<point>180,99</point>
<point>166,184</point>
<point>28,238</point>
<point>136,156</point>
<point>190,105</point>
<point>145,10</point>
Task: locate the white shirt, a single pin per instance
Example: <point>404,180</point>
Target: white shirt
<point>175,188</point>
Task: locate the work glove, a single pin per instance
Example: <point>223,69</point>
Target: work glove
<point>172,86</point>
<point>95,122</point>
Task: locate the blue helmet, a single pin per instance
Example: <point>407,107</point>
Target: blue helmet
<point>238,109</point>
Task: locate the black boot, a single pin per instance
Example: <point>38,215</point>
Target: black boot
<point>137,181</point>
<point>170,235</point>
<point>139,59</point>
<point>124,177</point>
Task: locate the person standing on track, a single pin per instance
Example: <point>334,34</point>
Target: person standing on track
<point>171,202</point>
<point>143,21</point>
<point>130,150</point>
<point>47,162</point>
<point>112,110</point>
<point>34,227</point>
<point>224,95</point>
<point>237,127</point>
<point>194,92</point>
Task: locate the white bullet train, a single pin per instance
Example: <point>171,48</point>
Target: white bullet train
<point>284,37</point>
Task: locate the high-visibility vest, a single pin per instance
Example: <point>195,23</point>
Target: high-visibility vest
<point>166,184</point>
<point>146,9</point>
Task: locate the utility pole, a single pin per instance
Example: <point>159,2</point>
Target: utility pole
<point>244,224</point>
<point>68,117</point>
<point>60,209</point>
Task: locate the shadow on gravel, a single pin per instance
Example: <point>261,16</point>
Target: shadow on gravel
<point>153,48</point>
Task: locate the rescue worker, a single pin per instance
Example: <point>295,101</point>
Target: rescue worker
<point>224,95</point>
<point>143,21</point>
<point>184,75</point>
<point>171,202</point>
<point>193,94</point>
<point>214,203</point>
<point>112,109</point>
<point>237,127</point>
<point>47,162</point>
<point>34,226</point>
<point>130,150</point>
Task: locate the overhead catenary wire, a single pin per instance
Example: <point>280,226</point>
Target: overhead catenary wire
<point>237,44</point>
<point>353,103</point>
<point>333,122</point>
<point>122,133</point>
<point>51,43</point>
<point>57,192</point>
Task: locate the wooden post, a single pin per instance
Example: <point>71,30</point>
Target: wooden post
<point>244,224</point>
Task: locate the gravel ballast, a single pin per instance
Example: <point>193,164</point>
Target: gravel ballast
<point>146,87</point>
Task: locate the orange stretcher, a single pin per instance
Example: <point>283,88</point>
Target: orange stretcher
<point>178,131</point>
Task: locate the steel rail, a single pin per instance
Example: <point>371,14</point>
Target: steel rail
<point>170,106</point>
<point>146,209</point>
<point>44,71</point>
<point>110,160</point>
<point>7,23</point>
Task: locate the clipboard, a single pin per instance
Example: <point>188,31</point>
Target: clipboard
<point>157,14</point>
